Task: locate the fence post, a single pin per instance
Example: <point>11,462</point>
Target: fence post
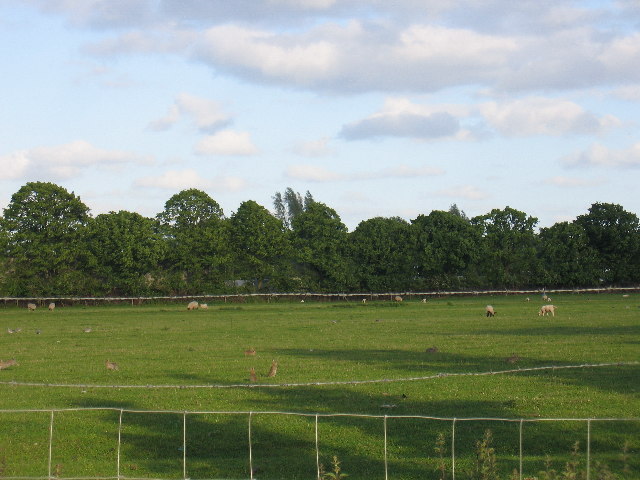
<point>317,449</point>
<point>119,442</point>
<point>50,442</point>
<point>521,422</point>
<point>386,462</point>
<point>184,445</point>
<point>453,450</point>
<point>250,453</point>
<point>588,448</point>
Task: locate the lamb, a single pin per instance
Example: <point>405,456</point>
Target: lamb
<point>546,310</point>
<point>397,298</point>
<point>192,306</point>
<point>490,311</point>
<point>31,306</point>
<point>52,307</point>
<point>204,306</point>
<point>364,300</point>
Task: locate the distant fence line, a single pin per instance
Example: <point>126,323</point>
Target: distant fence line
<point>250,446</point>
<point>268,297</point>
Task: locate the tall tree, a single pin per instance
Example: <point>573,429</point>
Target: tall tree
<point>43,227</point>
<point>198,251</point>
<point>567,258</point>
<point>320,242</point>
<point>448,249</point>
<point>289,205</point>
<point>125,251</point>
<point>615,234</point>
<point>383,252</point>
<point>259,245</point>
<point>510,245</point>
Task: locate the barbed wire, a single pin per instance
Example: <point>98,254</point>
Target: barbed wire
<point>316,384</point>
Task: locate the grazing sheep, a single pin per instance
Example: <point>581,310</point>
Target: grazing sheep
<point>273,369</point>
<point>204,306</point>
<point>7,364</point>
<point>31,307</point>
<point>52,307</point>
<point>112,365</point>
<point>397,298</point>
<point>545,298</point>
<point>490,311</point>
<point>546,310</point>
<point>192,306</point>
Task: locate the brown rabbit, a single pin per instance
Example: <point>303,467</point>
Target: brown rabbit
<point>250,352</point>
<point>252,375</point>
<point>7,364</point>
<point>112,365</point>
<point>273,369</point>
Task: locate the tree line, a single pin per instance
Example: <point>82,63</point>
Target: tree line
<point>52,246</point>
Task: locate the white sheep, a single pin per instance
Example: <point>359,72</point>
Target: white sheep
<point>397,298</point>
<point>31,306</point>
<point>364,300</point>
<point>204,306</point>
<point>192,305</point>
<point>490,311</point>
<point>546,310</point>
<point>52,307</point>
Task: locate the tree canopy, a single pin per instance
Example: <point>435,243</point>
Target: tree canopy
<point>50,245</point>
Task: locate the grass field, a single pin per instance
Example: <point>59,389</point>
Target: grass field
<point>165,345</point>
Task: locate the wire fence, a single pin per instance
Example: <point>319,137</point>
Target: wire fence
<point>314,420</point>
<point>306,296</point>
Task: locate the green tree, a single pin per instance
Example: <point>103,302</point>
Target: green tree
<point>43,238</point>
<point>383,250</point>
<point>198,252</point>
<point>510,245</point>
<point>125,251</point>
<point>567,258</point>
<point>615,234</point>
<point>289,205</point>
<point>259,245</point>
<point>448,249</point>
<point>320,242</point>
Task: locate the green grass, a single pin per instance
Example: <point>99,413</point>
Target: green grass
<point>317,342</point>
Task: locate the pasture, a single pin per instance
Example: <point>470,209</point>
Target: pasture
<point>195,361</point>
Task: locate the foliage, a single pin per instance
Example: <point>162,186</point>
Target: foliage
<point>50,246</point>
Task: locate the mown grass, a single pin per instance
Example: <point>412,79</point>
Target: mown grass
<point>317,342</point>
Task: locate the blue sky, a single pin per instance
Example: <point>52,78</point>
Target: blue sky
<point>377,108</point>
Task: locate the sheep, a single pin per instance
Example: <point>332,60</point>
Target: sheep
<point>52,307</point>
<point>192,305</point>
<point>204,306</point>
<point>424,300</point>
<point>546,310</point>
<point>397,298</point>
<point>490,311</point>
<point>364,300</point>
<point>31,307</point>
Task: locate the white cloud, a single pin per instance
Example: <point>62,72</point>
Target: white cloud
<point>468,192</point>
<point>226,142</point>
<point>544,116</point>
<point>206,114</point>
<point>312,173</point>
<point>64,161</point>
<point>313,148</point>
<point>190,178</point>
<point>599,155</point>
<point>572,182</point>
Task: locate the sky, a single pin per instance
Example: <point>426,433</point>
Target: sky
<point>378,108</point>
